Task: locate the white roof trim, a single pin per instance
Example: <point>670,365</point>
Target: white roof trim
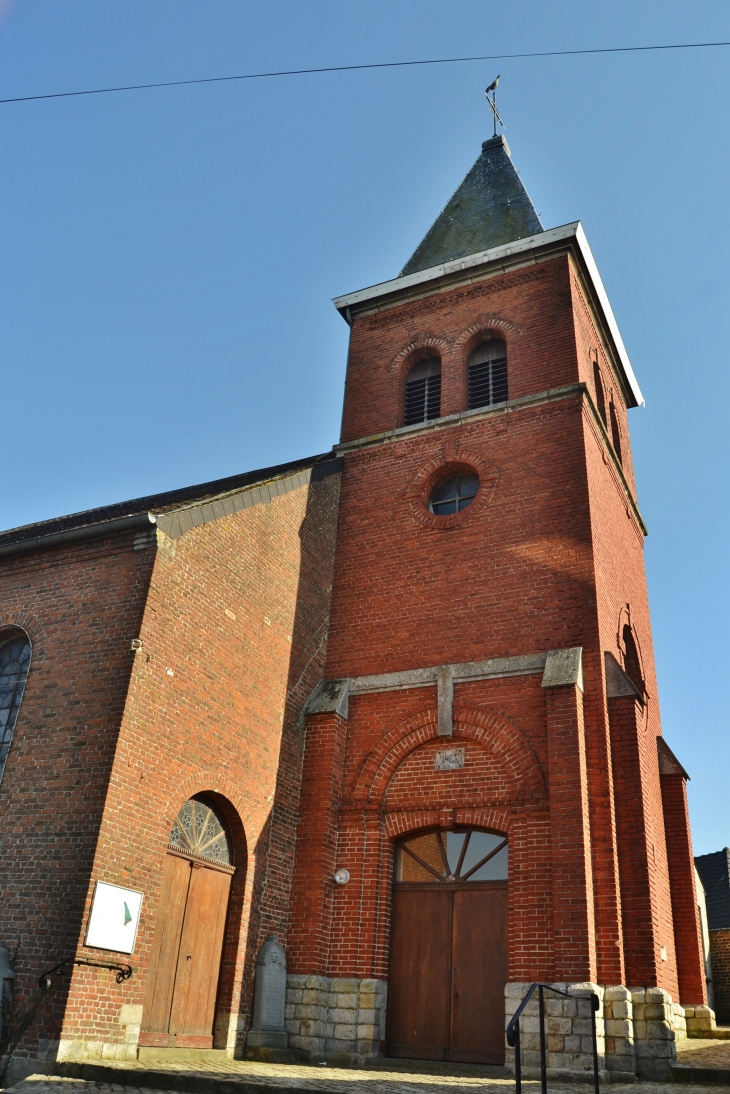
<point>496,255</point>
<point>602,295</point>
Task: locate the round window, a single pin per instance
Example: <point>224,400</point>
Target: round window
<point>453,494</point>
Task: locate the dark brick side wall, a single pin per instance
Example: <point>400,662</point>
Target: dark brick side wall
<point>238,611</point>
<point>110,744</point>
<point>720,958</point>
<point>81,607</point>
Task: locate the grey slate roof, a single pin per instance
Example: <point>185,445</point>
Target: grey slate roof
<point>714,870</point>
<point>155,503</point>
<point>489,209</point>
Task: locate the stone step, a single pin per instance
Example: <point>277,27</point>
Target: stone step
<point>181,1055</point>
<point>184,1082</point>
<point>704,1076</point>
<point>232,1082</point>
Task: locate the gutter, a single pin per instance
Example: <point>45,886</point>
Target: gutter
<point>74,535</point>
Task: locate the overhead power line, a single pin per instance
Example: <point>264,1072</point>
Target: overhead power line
<point>357,68</point>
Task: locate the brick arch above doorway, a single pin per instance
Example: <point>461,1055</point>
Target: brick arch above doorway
<point>210,782</point>
<point>490,729</point>
<point>404,822</point>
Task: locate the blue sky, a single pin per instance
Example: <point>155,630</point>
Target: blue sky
<point>168,257</point>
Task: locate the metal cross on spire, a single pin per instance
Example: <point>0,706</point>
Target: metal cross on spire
<point>493,104</point>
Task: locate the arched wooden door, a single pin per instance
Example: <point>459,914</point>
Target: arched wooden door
<point>448,954</point>
<point>182,984</point>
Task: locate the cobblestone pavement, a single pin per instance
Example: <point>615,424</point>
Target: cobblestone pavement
<point>344,1081</point>
<point>383,1077</point>
<point>701,1053</point>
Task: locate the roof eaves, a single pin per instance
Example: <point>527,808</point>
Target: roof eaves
<point>149,510</point>
<point>602,296</point>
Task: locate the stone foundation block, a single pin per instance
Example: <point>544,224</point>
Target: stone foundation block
<point>336,1016</point>
<point>568,1028</point>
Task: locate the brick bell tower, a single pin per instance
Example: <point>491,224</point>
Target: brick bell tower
<point>487,799</point>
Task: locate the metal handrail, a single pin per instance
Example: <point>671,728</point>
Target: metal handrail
<point>123,971</point>
<point>513,1033</point>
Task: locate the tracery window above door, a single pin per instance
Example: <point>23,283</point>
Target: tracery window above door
<point>461,856</point>
<point>14,665</point>
<point>199,831</point>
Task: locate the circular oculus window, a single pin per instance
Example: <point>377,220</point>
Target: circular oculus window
<point>453,494</point>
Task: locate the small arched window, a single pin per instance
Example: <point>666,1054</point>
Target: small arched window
<point>600,393</point>
<point>632,663</point>
<point>200,831</point>
<point>423,392</point>
<point>615,432</point>
<point>14,665</point>
<point>488,374</point>
<point>452,857</point>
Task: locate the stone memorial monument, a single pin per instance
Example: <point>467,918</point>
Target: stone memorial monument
<point>269,997</point>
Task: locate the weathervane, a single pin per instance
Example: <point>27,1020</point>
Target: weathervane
<point>493,104</point>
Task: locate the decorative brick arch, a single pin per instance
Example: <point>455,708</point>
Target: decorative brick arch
<point>487,728</point>
<point>210,782</point>
<point>423,340</point>
<point>452,457</point>
<point>399,824</point>
<point>624,619</point>
<point>487,321</point>
<point>32,626</point>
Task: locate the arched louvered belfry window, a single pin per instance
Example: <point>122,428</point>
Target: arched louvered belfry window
<point>632,663</point>
<point>600,393</point>
<point>14,665</point>
<point>615,431</point>
<point>423,392</point>
<point>488,374</point>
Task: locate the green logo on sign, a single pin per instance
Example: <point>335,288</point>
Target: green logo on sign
<point>127,915</point>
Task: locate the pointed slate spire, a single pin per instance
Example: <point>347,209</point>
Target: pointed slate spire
<point>490,208</point>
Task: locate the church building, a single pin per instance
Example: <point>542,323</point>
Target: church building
<point>394,704</point>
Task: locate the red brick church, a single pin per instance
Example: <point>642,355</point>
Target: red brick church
<point>395,704</point>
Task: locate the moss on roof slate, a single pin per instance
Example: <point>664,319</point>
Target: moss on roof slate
<point>489,209</point>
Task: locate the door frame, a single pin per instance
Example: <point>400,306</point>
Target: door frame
<point>442,886</point>
<point>166,1039</point>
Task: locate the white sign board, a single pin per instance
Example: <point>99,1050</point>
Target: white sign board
<point>114,918</point>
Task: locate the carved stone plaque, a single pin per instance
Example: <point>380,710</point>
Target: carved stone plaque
<point>269,996</point>
<point>449,759</point>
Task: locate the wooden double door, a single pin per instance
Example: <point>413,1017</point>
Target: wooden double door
<point>179,1008</point>
<point>448,969</point>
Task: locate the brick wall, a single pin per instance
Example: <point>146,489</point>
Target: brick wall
<point>81,606</point>
<point>720,958</point>
<point>550,556</point>
<point>237,610</point>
